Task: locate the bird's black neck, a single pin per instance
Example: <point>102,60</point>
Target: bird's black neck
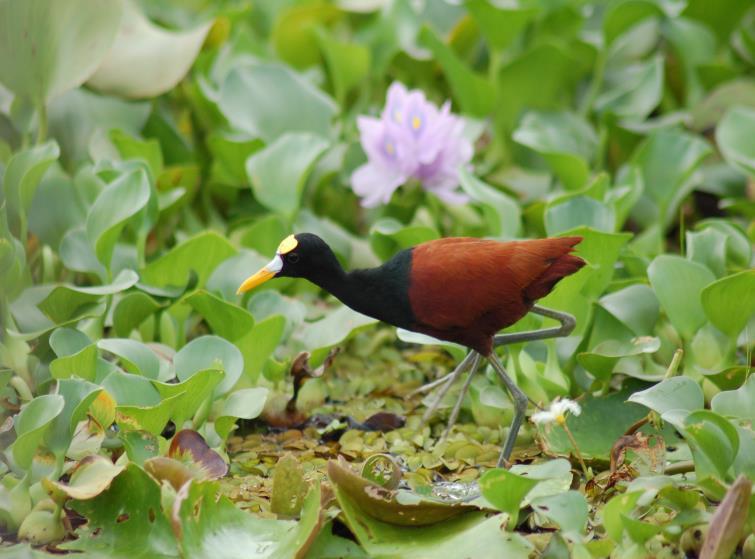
<point>380,292</point>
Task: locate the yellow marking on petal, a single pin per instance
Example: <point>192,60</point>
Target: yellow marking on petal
<point>389,148</point>
<point>416,122</point>
<point>397,116</point>
<point>287,245</point>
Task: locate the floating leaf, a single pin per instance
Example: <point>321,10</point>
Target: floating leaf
<point>146,60</point>
<point>48,47</point>
<point>567,509</point>
<point>506,490</point>
<point>289,487</point>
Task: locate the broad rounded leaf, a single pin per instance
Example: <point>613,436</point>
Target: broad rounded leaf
<point>31,424</point>
<point>210,352</point>
<point>145,60</point>
<point>729,303</point>
<point>48,47</point>
<point>91,477</point>
<point>246,403</point>
<point>676,393</point>
<point>136,356</point>
<point>737,403</point>
<point>714,442</point>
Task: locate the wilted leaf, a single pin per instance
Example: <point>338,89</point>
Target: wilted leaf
<point>91,477</point>
<point>189,443</point>
<point>289,487</point>
<point>727,523</point>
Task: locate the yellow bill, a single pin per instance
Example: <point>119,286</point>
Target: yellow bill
<point>266,273</point>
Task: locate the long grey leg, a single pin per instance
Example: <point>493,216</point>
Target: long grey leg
<point>460,400</point>
<point>568,322</point>
<point>457,372</point>
<point>520,408</point>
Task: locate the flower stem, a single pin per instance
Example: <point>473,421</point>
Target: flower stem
<point>42,125</point>
<point>573,442</point>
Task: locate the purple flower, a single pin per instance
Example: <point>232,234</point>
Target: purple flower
<point>412,139</point>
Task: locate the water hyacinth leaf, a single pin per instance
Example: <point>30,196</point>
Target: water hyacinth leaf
<point>475,94</point>
<point>246,403</point>
<point>131,390</point>
<point>175,267</point>
<point>79,396</point>
<point>737,146</point>
<point>502,211</point>
<point>77,253</point>
<point>553,476</point>
<point>388,236</point>
<point>230,150</point>
<point>118,516</point>
<point>727,526</point>
<point>210,352</point>
<point>319,336</point>
<point>729,303</point>
<point>667,184</point>
<point>270,100</point>
<point>260,343</point>
<point>708,247</point>
<point>131,310</point>
<point>278,172</point>
<point>139,445</point>
<point>348,63</point>
<point>76,355</point>
<point>76,115</point>
<point>500,24</point>
<point>710,110</point>
<point>136,357</point>
<point>738,403</point>
<point>634,91</point>
<point>187,444</point>
<point>676,393</point>
<point>289,487</point>
<point>121,200</point>
<point>57,207</point>
<point>48,47</point>
<point>65,302</point>
<point>714,443</point>
<point>506,490</point>
<point>145,60</point>
<point>579,211</point>
<point>224,531</point>
<point>565,140</point>
<point>31,425</point>
<point>602,360</point>
<point>603,420</point>
<point>567,509</point>
<point>635,305</point>
<point>678,283</point>
<point>91,477</point>
<point>130,147</point>
<point>225,319</point>
<point>229,274</point>
<point>152,419</point>
<point>189,395</point>
<point>470,534</point>
<point>22,176</point>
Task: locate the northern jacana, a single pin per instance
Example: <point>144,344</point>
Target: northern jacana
<point>460,289</point>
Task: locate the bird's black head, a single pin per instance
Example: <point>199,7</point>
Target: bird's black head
<point>303,255</point>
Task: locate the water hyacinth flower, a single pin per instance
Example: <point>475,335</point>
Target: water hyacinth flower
<point>412,139</point>
<point>556,413</point>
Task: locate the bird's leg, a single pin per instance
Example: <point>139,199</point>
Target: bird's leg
<point>520,408</point>
<point>460,368</point>
<point>430,385</point>
<point>460,400</point>
<point>567,321</point>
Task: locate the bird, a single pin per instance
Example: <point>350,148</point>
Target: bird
<point>458,289</point>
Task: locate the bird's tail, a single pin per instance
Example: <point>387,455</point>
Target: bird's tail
<point>562,264</point>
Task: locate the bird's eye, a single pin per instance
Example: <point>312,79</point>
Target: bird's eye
<point>293,258</point>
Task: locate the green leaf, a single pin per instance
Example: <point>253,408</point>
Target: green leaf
<point>131,310</point>
<point>201,253</point>
<point>189,395</point>
<point>579,211</point>
<point>22,177</point>
<point>506,490</point>
<point>148,150</point>
<point>735,142</point>
<point>475,94</point>
<point>246,403</point>
<point>118,518</point>
<point>668,161</point>
<point>676,393</point>
<point>708,247</point>
<point>635,306</point>
<point>82,363</point>
<point>729,303</point>
<point>279,171</point>
<point>225,319</point>
<point>136,357</point>
<point>121,200</point>
<point>331,330</point>
<point>602,360</point>
<point>65,302</point>
<point>616,511</point>
<point>633,91</point>
<point>564,139</point>
<point>714,443</point>
<point>737,403</point>
<point>348,63</point>
<point>389,235</point>
<point>210,352</point>
<point>469,535</point>
<point>146,60</point>
<point>270,100</point>
<point>31,425</point>
<point>260,343</point>
<point>502,211</point>
<point>678,283</point>
<point>48,47</point>
<point>500,24</point>
<point>567,509</point>
<point>78,395</point>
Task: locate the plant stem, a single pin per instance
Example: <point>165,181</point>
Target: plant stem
<point>673,368</point>
<point>42,125</point>
<point>573,442</point>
